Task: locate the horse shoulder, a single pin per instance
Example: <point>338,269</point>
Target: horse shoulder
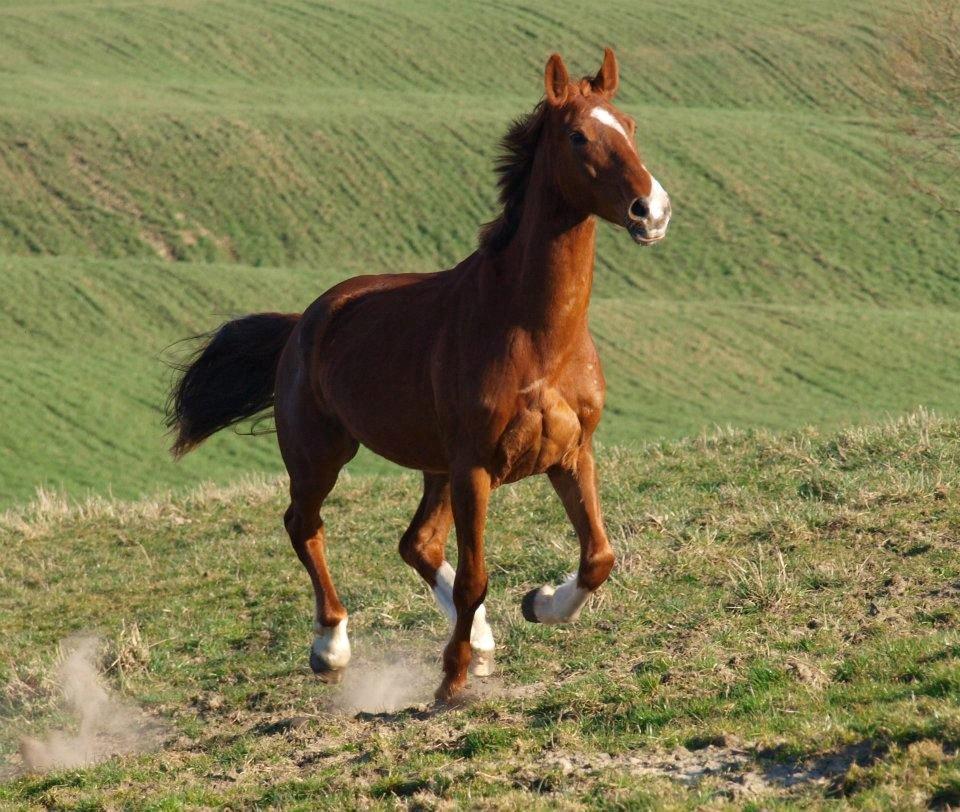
<point>582,385</point>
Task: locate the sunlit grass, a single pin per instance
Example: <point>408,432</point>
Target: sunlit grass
<point>806,635</point>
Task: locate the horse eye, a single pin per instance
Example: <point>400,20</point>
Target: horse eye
<point>577,138</point>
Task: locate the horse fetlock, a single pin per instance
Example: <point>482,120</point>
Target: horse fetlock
<point>481,635</point>
<point>456,658</point>
<point>553,605</point>
<point>482,645</point>
<point>450,690</point>
<point>330,652</point>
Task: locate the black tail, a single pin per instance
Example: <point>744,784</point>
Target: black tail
<point>230,378</point>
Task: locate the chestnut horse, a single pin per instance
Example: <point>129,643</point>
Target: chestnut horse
<point>477,376</point>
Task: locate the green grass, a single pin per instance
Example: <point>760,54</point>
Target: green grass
<point>165,165</point>
<point>88,385</point>
<point>784,604</point>
<point>781,629</point>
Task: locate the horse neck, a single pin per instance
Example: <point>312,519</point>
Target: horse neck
<point>551,264</point>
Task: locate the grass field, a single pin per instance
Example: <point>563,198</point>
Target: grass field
<point>781,630</point>
<point>167,165</point>
<point>782,626</point>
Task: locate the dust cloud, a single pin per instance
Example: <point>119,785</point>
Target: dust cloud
<point>385,683</point>
<point>102,724</point>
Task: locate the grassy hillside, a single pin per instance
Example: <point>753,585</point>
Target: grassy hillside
<point>162,162</point>
<point>87,384</point>
<point>209,130</point>
<point>780,632</point>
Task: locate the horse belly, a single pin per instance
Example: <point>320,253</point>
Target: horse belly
<point>399,432</point>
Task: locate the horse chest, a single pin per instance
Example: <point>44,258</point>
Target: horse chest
<point>545,431</point>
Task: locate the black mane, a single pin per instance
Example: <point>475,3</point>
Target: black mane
<point>514,165</point>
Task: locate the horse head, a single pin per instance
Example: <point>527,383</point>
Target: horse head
<point>593,154</point>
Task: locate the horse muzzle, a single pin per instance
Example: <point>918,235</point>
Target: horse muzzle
<point>648,217</point>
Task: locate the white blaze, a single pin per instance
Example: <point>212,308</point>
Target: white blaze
<point>657,202</point>
<point>606,117</point>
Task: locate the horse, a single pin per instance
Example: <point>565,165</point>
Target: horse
<point>477,376</point>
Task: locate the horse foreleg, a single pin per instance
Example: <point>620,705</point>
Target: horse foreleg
<point>470,493</point>
<point>577,489</point>
<point>422,547</point>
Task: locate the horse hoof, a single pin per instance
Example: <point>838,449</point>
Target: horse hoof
<point>323,670</point>
<point>527,606</point>
<point>481,664</point>
<point>449,693</point>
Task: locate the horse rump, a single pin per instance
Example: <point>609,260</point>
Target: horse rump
<point>230,378</point>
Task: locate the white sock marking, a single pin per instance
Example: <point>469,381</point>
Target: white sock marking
<point>443,591</point>
<point>606,117</point>
<point>481,635</point>
<point>562,604</point>
<point>332,644</point>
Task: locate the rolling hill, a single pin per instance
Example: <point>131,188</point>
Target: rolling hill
<point>164,166</point>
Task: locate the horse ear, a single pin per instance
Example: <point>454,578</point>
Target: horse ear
<point>607,79</point>
<point>556,80</point>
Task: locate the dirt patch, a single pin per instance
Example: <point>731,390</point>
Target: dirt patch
<point>734,768</point>
<point>118,202</point>
<point>191,236</point>
<point>394,683</point>
<point>384,683</point>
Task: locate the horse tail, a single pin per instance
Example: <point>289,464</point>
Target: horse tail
<point>230,378</point>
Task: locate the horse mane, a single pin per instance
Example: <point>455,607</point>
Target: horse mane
<point>513,167</point>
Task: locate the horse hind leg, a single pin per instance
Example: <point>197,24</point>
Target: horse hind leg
<point>422,547</point>
<point>314,455</point>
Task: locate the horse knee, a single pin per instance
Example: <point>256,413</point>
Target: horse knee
<point>596,569</point>
<point>301,527</point>
<point>409,548</point>
<point>291,521</point>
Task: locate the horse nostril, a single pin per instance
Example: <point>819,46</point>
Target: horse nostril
<point>639,210</point>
